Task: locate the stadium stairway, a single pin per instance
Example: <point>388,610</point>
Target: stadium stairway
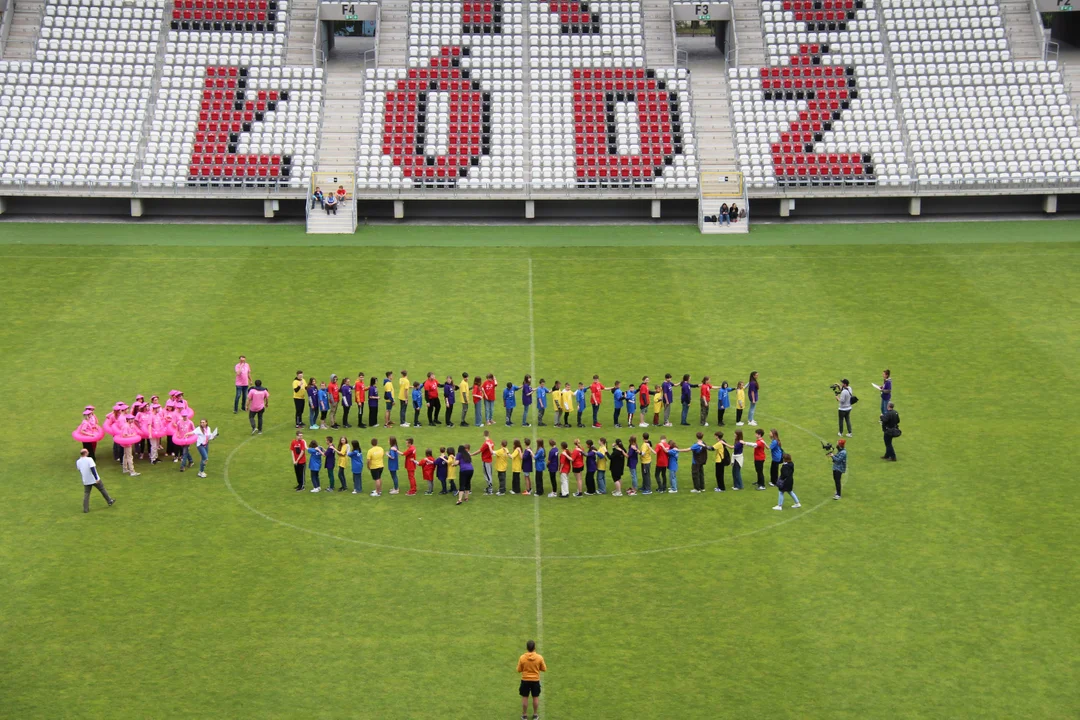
<point>341,116</point>
<point>659,49</point>
<point>1025,40</point>
<point>302,19</point>
<point>751,43</point>
<point>25,26</point>
<point>393,32</point>
<point>712,104</point>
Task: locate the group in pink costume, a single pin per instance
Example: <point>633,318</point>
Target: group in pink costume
<point>140,428</point>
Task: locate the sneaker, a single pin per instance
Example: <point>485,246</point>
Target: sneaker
<point>355,492</point>
<point>839,434</point>
<point>646,492</point>
<point>394,492</point>
<point>410,493</point>
<point>618,425</point>
<point>429,493</point>
<point>260,432</point>
<point>797,505</point>
<point>738,424</point>
<point>112,502</point>
<point>694,490</point>
<point>849,434</point>
<point>135,474</point>
<point>551,494</point>
<point>706,424</point>
<point>778,507</point>
<point>499,494</point>
<point>752,423</point>
<point>313,427</point>
<point>644,424</point>
<point>253,431</point>
<point>590,493</point>
<point>202,474</point>
<point>315,489</point>
<point>735,488</point>
<point>673,491</point>
<point>300,489</point>
<point>541,424</point>
<point>667,424</point>
<point>760,487</point>
<point>526,424</point>
<point>616,494</point>
<point>835,497</point>
<point>513,493</point>
<point>597,425</point>
<point>176,459</point>
<point>579,494</point>
<point>374,494</point>
<point>526,493</point>
<point>717,490</point>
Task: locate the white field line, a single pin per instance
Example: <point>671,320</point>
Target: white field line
<point>536,498</point>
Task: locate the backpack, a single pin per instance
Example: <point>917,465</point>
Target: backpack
<point>727,457</point>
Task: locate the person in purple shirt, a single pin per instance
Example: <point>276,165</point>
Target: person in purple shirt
<point>667,388</point>
<point>526,399</point>
<point>448,399</point>
<point>752,389</point>
<point>590,468</point>
<point>553,466</point>
<point>684,396</point>
<point>465,473</point>
<point>886,390</point>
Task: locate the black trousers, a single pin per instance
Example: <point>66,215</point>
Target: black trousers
<point>91,448</point>
<point>759,467</point>
<point>720,415</point>
<point>697,476</point>
<point>252,414</point>
<point>449,416</point>
<point>720,475</point>
<point>299,468</point>
<point>836,476</point>
<point>373,415</point>
<point>889,452</point>
<point>540,482</point>
<point>551,477</point>
<point>433,410</point>
<point>774,472</point>
<point>345,414</point>
<point>738,415</point>
<point>515,482</point>
<point>661,479</point>
<point>590,480</point>
<point>416,417</point>
<point>842,416</point>
<point>298,404</point>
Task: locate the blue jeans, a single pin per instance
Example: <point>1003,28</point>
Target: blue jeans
<point>685,412</point>
<point>313,416</point>
<point>489,410</point>
<point>479,420</point>
<point>780,499</point>
<point>393,476</point>
<point>314,478</point>
<point>750,415</point>
<point>601,481</point>
<point>203,452</point>
<point>736,475</point>
<point>671,475</point>
<point>185,457</point>
<point>509,416</point>
<point>358,482</point>
<point>884,405</point>
<point>241,398</point>
<point>724,220</point>
<point>633,478</point>
<point>524,415</point>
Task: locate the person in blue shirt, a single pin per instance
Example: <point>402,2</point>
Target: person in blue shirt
<point>417,403</point>
<point>685,395</point>
<point>839,465</point>
<point>324,405</point>
<point>777,453</point>
<point>449,397</point>
<point>673,465</point>
<point>630,398</point>
<point>526,399</point>
<point>330,460</point>
<point>541,403</point>
<point>393,457</point>
<point>669,397</point>
<point>373,404</point>
<point>357,457</point>
<point>723,401</point>
<point>510,401</point>
<point>315,456</point>
<point>346,401</point>
<point>579,398</point>
<point>632,463</point>
<point>619,395</point>
<point>553,466</point>
<point>539,459</point>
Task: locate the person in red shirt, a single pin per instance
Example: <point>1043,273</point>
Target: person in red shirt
<point>643,401</point>
<point>410,465</point>
<point>427,467</point>
<point>706,398</point>
<point>565,466</point>
<point>596,394</point>
<point>334,391</point>
<point>486,452</point>
<point>759,458</point>
<point>662,464</point>
<point>431,394</point>
<point>477,396</point>
<point>577,462</point>
<point>298,448</point>
<point>489,399</point>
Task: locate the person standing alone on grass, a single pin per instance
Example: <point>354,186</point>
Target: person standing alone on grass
<point>90,479</point>
<point>257,399</point>
<point>530,665</point>
<point>886,390</point>
<point>839,465</point>
<point>890,427</point>
<point>243,380</point>
<point>299,397</point>
<point>843,399</point>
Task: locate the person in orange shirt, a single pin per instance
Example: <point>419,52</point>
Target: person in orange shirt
<point>530,665</point>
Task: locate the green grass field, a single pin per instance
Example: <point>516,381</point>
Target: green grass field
<point>939,587</point>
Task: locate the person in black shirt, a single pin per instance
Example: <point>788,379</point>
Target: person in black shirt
<point>890,428</point>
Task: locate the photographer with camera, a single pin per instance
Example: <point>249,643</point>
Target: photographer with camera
<point>845,400</point>
<point>839,463</point>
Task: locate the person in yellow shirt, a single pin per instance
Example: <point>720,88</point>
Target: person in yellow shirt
<point>375,455</point>
<point>463,396</point>
<point>452,469</point>
<point>403,394</point>
<point>530,665</point>
<point>388,396</point>
<point>299,396</point>
<point>567,404</point>
<point>740,402</point>
<point>722,460</point>
<point>646,462</point>
<point>556,402</point>
<point>502,464</point>
<point>601,466</point>
<point>515,468</point>
<point>657,405</point>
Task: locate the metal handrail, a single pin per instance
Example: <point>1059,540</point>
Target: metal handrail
<point>731,48</point>
<point>151,105</point>
<point>890,69</point>
<point>5,26</point>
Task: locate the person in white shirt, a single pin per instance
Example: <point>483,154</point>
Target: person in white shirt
<point>90,479</point>
<point>203,436</point>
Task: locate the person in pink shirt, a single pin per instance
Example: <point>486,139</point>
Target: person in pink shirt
<point>257,399</point>
<point>243,380</point>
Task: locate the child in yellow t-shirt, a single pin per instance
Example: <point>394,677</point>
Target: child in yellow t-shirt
<point>567,404</point>
<point>657,405</point>
<point>404,392</point>
<point>556,401</point>
<point>740,402</point>
<point>452,469</point>
<point>502,463</point>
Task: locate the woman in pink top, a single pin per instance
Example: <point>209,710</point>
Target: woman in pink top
<point>127,435</point>
<point>243,380</point>
<point>257,398</point>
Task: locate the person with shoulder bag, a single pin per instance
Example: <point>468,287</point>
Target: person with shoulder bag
<point>890,428</point>
<point>846,399</point>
